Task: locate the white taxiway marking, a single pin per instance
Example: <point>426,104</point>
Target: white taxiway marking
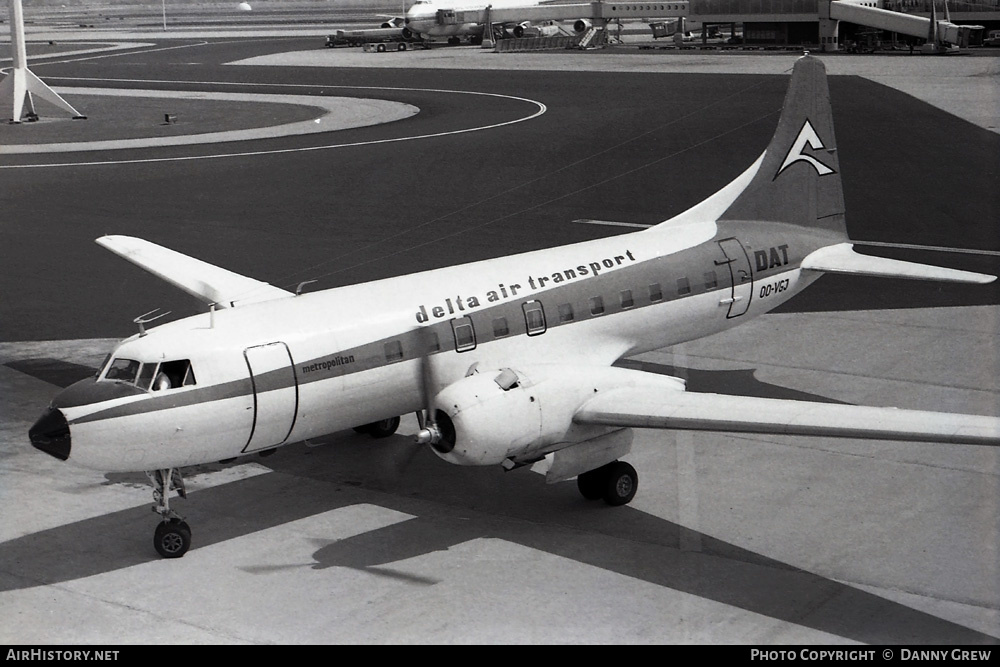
<point>540,109</point>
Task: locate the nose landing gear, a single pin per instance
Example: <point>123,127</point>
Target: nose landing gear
<point>172,537</point>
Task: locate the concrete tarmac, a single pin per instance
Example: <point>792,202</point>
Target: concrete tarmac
<point>755,540</point>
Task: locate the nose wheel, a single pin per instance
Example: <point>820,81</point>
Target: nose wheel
<point>172,537</point>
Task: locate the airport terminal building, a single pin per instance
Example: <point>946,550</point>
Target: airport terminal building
<point>781,22</point>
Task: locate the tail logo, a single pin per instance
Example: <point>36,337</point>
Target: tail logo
<point>807,137</point>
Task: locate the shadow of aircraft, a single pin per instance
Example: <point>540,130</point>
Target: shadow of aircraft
<point>454,505</point>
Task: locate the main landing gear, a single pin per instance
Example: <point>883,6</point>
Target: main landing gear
<point>615,482</point>
<point>380,429</point>
<point>172,538</point>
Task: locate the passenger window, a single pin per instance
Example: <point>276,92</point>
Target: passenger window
<point>534,317</point>
<point>711,281</point>
<point>465,334</point>
<point>500,328</point>
<point>596,305</point>
<point>655,294</point>
<point>683,286</point>
<point>626,298</point>
<point>566,312</point>
<point>432,341</point>
<point>393,351</point>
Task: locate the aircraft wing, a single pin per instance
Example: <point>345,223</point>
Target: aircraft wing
<point>682,410</point>
<point>207,282</point>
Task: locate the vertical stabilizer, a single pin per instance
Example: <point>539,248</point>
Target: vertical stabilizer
<point>798,181</point>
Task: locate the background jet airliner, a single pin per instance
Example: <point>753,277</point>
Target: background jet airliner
<point>431,19</point>
<point>507,361</point>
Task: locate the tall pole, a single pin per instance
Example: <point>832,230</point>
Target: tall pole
<point>20,83</point>
<point>17,34</point>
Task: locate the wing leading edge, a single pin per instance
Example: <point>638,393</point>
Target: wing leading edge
<point>681,410</point>
<point>207,282</point>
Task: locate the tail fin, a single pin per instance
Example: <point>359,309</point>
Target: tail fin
<point>798,180</point>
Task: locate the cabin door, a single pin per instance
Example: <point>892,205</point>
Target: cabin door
<point>275,395</point>
<point>740,275</point>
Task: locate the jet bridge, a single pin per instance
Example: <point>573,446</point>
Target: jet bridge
<point>861,13</point>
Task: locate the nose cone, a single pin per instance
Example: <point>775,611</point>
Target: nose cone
<point>51,434</point>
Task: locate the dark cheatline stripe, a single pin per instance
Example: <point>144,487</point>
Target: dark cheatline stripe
<point>169,400</point>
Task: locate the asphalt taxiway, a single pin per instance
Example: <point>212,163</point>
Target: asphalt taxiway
<point>753,540</point>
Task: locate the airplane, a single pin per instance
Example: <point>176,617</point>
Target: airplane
<point>506,361</point>
<point>422,19</point>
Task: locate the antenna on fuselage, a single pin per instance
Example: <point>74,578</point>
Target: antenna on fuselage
<point>144,319</point>
<point>298,290</point>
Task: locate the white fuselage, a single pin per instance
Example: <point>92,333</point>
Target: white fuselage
<point>295,368</point>
<point>423,18</point>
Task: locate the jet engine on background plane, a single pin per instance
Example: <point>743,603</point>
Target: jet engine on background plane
<point>582,25</point>
<point>528,29</point>
<point>518,30</point>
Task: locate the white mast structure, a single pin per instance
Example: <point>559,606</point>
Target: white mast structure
<point>20,83</point>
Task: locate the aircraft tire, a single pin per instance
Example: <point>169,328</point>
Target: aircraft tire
<point>591,483</point>
<point>622,481</point>
<point>172,538</point>
<point>384,428</point>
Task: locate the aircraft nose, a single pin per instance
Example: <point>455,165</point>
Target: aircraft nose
<point>51,434</point>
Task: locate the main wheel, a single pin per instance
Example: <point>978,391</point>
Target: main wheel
<point>621,483</point>
<point>172,538</point>
<point>591,484</point>
<point>382,429</point>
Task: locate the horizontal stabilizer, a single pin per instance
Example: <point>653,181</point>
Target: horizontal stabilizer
<point>841,258</point>
<point>207,282</point>
<point>636,407</point>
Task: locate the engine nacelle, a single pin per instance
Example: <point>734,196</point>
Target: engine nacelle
<point>501,414</point>
<point>519,29</point>
<point>582,25</point>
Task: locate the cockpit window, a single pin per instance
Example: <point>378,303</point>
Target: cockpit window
<point>145,376</point>
<point>154,376</point>
<point>172,374</point>
<point>104,364</point>
<point>123,370</point>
